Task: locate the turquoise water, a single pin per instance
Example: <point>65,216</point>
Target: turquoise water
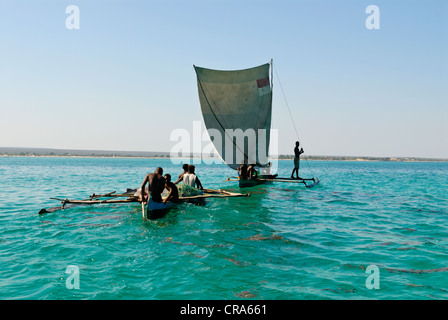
<point>283,242</point>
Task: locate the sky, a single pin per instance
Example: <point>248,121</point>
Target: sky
<point>125,80</point>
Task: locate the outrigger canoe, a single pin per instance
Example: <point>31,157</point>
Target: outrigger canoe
<point>151,211</point>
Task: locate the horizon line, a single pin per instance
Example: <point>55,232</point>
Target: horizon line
<point>34,150</point>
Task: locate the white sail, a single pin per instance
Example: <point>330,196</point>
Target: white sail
<point>237,106</point>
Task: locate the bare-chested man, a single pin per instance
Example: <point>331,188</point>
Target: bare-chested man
<point>156,185</point>
<point>297,153</point>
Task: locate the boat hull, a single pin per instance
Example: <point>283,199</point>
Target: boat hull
<point>156,210</point>
<point>250,183</point>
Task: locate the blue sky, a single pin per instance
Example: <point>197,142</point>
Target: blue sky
<point>125,79</point>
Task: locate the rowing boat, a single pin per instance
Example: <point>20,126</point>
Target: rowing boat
<point>154,209</point>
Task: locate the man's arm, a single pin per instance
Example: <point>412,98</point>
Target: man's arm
<point>180,178</point>
<point>142,189</point>
<point>198,183</point>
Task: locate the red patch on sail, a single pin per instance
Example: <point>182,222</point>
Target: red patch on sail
<point>263,82</point>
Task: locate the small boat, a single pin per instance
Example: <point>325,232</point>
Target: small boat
<point>236,106</point>
<point>154,210</point>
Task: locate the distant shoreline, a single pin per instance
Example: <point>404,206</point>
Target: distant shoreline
<point>71,153</point>
<point>311,158</point>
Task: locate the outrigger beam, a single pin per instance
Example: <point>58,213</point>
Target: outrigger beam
<point>112,198</point>
<point>291,180</point>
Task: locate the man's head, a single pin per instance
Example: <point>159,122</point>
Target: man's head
<point>297,143</point>
<point>159,170</point>
<point>191,168</point>
<point>185,167</point>
<point>167,177</point>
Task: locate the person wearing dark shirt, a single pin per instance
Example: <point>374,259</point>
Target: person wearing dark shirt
<point>173,195</point>
<point>297,153</point>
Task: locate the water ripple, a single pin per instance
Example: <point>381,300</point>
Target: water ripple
<point>284,242</point>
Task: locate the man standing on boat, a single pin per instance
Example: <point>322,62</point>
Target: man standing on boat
<point>156,185</point>
<point>297,153</point>
<point>190,178</point>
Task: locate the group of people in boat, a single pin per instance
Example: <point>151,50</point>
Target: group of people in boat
<point>157,183</point>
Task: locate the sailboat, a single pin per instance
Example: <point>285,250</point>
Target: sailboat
<point>236,107</point>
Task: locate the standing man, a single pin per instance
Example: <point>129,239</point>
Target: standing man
<point>297,153</point>
<point>156,185</point>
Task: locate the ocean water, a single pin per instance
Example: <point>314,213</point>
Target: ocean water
<point>282,242</point>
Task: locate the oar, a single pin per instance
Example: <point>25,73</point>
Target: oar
<point>143,211</point>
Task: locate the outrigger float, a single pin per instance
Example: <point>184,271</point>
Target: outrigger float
<point>150,210</point>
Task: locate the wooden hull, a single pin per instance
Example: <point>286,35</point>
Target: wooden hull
<point>157,210</point>
<point>250,183</point>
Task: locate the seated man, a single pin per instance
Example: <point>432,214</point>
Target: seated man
<point>173,195</point>
<point>251,172</point>
<point>242,171</point>
<point>190,178</point>
<point>181,176</point>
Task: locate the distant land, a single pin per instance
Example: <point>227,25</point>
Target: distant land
<point>48,152</point>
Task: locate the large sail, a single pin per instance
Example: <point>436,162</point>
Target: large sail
<point>236,106</point>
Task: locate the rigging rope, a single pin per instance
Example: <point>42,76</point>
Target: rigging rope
<point>289,110</point>
<point>292,119</point>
